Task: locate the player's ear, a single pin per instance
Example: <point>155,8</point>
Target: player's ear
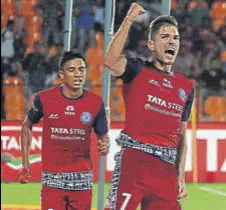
<point>151,45</point>
<point>61,74</point>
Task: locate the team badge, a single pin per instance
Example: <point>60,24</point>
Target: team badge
<point>182,94</point>
<point>86,117</point>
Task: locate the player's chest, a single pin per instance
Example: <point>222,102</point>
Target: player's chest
<point>159,89</point>
<point>69,113</point>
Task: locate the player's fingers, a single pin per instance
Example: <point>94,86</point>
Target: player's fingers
<point>104,150</point>
<point>98,144</point>
<point>103,153</point>
<point>105,147</point>
<point>103,144</point>
<point>183,194</point>
<point>180,189</point>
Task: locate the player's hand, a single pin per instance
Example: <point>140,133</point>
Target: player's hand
<point>24,174</point>
<point>134,11</point>
<point>103,147</point>
<point>182,190</point>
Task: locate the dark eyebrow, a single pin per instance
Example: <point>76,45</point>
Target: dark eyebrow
<point>164,34</point>
<point>176,36</point>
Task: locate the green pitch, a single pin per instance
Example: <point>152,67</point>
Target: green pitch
<point>201,196</point>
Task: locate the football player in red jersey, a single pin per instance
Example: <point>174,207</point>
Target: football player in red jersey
<point>150,166</point>
<point>69,113</point>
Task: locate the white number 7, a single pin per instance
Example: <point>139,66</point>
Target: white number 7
<point>126,201</point>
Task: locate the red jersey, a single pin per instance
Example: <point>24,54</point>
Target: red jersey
<point>67,124</point>
<point>156,102</point>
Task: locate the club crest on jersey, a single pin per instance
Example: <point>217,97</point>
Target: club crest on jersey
<point>182,94</point>
<point>70,110</point>
<point>86,117</point>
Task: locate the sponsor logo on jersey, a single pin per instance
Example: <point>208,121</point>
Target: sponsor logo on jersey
<point>67,131</point>
<point>54,116</point>
<point>86,117</point>
<point>166,83</point>
<point>70,110</point>
<point>161,102</point>
<point>182,94</point>
<point>153,82</point>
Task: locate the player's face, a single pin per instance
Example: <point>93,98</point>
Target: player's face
<point>74,73</point>
<point>166,44</point>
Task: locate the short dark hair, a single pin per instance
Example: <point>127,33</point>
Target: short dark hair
<point>158,22</point>
<point>10,23</point>
<point>69,55</point>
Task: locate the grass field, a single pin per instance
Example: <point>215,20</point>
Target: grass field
<point>201,196</point>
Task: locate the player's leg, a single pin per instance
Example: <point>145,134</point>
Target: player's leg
<point>163,187</point>
<point>145,204</point>
<point>125,193</point>
<point>160,204</point>
<point>79,200</point>
<point>52,198</point>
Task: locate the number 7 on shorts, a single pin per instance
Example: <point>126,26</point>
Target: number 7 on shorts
<point>126,201</point>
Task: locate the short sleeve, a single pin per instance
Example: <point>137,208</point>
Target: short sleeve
<point>188,106</point>
<point>100,124</point>
<point>35,113</point>
<point>132,69</point>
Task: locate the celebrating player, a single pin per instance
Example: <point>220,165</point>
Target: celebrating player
<point>69,113</point>
<point>150,167</point>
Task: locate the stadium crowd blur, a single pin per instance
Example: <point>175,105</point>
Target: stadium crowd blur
<point>32,42</point>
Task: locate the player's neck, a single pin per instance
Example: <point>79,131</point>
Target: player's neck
<point>69,93</point>
<point>162,66</point>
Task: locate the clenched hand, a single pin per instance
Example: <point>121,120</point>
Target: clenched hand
<point>103,146</point>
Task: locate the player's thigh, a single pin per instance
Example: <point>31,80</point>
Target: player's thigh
<point>145,204</point>
<point>80,200</point>
<point>159,204</point>
<point>52,199</point>
<point>129,192</point>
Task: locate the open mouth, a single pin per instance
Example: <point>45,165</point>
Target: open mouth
<point>170,52</point>
<point>78,80</point>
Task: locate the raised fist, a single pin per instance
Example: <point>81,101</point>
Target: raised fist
<point>135,10</point>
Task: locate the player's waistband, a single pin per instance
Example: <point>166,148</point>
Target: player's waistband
<point>68,181</point>
<point>166,154</point>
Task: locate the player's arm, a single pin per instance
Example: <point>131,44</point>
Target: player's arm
<point>114,60</point>
<point>26,136</point>
<point>33,116</point>
<point>182,151</point>
<point>101,129</point>
<point>182,148</point>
